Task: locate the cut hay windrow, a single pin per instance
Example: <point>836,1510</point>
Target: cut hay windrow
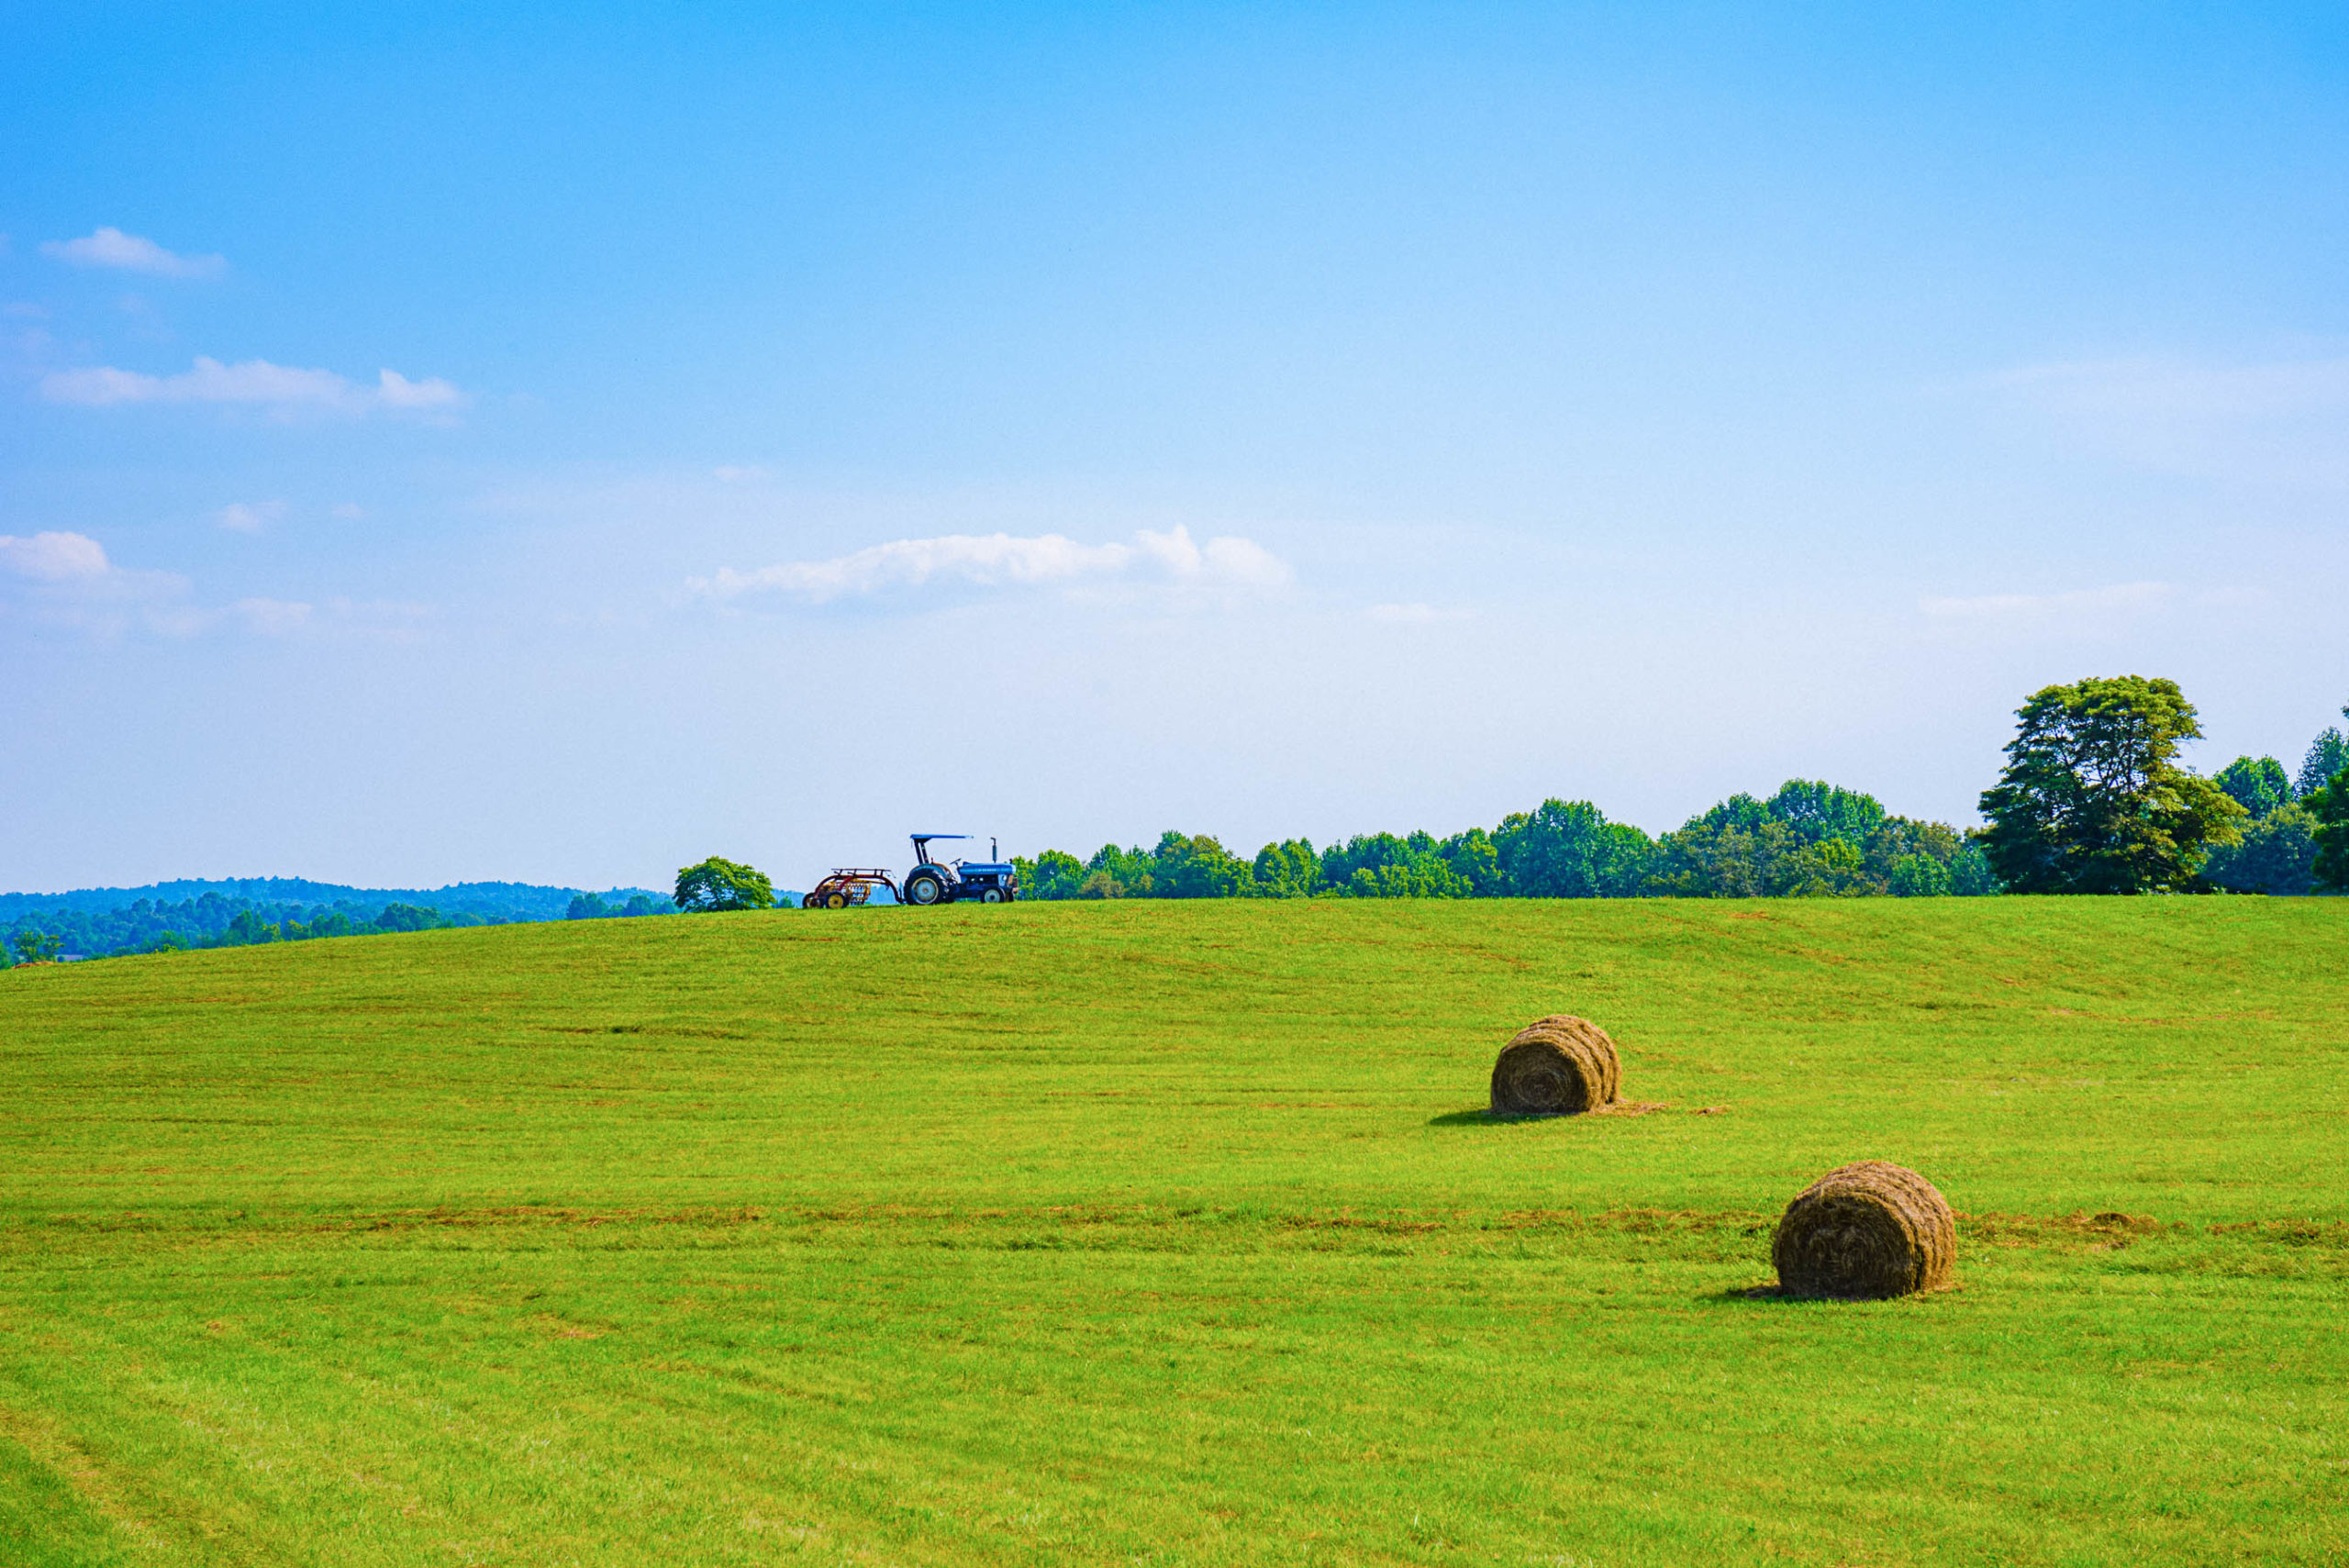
<point>1556,1066</point>
<point>1865,1232</point>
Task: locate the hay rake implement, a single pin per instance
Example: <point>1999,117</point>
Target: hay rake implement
<point>847,885</point>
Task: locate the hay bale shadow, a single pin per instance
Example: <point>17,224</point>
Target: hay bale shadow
<point>1780,1294</point>
<point>1484,1115</point>
<point>1478,1116</point>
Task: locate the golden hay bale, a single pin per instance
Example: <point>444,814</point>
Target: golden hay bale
<point>1865,1232</point>
<point>1557,1066</point>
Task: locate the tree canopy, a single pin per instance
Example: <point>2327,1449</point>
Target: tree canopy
<point>717,884</point>
<point>2258,784</point>
<point>2328,754</point>
<point>1810,839</point>
<point>2092,798</point>
<point>2329,807</point>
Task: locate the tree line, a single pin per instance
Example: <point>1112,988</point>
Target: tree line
<point>2092,799</point>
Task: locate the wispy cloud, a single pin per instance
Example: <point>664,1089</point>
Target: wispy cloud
<point>280,389</point>
<point>66,579</point>
<point>62,579</point>
<point>132,253</point>
<point>250,517</point>
<point>1006,561</point>
<point>53,556</point>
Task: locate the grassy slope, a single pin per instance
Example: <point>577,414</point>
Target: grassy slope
<point>1152,1232</point>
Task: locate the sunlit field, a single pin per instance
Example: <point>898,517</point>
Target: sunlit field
<point>1174,1233</point>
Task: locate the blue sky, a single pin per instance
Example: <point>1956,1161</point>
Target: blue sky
<point>564,445</point>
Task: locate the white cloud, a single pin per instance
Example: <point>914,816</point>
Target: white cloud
<point>281,389</point>
<point>736,473</point>
<point>2122,598</point>
<point>249,519</point>
<point>65,579</point>
<point>396,391</point>
<point>999,559</point>
<point>53,556</point>
<point>349,511</point>
<point>132,253</point>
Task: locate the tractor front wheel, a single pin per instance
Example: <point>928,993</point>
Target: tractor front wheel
<point>990,895</point>
<point>924,886</point>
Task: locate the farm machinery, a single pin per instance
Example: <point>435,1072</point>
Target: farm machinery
<point>931,881</point>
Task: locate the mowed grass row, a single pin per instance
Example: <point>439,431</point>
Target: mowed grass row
<point>1158,1231</point>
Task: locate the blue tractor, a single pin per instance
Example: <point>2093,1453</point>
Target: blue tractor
<point>936,882</point>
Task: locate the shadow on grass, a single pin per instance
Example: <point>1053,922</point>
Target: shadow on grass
<point>1782,1295</point>
<point>1756,1293</point>
<point>1477,1115</point>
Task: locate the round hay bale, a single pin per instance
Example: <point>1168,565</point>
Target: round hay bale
<point>1866,1232</point>
<point>1557,1066</point>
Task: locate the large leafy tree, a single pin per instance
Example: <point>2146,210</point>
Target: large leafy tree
<point>2092,798</point>
<point>716,885</point>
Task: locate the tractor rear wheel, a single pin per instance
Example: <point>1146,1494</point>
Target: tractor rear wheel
<point>924,886</point>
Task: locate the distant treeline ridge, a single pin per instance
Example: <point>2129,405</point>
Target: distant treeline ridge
<point>1810,839</point>
<point>113,922</point>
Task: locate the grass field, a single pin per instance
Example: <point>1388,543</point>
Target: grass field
<point>1171,1233</point>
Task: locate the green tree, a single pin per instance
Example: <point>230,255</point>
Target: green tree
<point>1290,869</point>
<point>2092,799</point>
<point>2277,855</point>
<point>1476,860</point>
<point>1124,873</point>
<point>2330,807</point>
<point>1920,876</point>
<point>36,947</point>
<point>1569,850</point>
<point>2258,784</point>
<point>1832,868</point>
<point>718,884</point>
<point>1055,873</point>
<point>1381,865</point>
<point>2328,754</point>
<point>586,906</point>
<point>1199,867</point>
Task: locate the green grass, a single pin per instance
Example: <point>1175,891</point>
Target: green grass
<point>1155,1233</point>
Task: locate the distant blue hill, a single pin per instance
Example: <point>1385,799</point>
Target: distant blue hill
<point>504,902</point>
<point>100,922</point>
